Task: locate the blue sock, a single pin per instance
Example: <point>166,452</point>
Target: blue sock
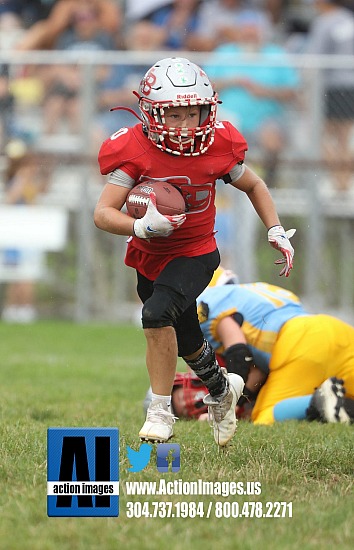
<point>293,408</point>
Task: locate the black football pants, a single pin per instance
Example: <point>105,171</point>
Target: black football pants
<point>170,300</point>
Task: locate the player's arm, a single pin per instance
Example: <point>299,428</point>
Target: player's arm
<point>108,215</point>
<point>259,195</point>
<point>44,33</point>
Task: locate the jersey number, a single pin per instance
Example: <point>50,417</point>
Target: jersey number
<point>120,132</point>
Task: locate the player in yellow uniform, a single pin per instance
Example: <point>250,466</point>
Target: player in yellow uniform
<point>295,365</point>
<point>267,326</point>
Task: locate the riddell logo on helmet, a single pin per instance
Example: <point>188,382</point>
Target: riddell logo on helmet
<point>187,96</point>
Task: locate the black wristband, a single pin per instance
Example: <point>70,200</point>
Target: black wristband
<point>246,397</point>
<point>239,360</point>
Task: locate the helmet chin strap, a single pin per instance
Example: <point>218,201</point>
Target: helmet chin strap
<point>183,141</point>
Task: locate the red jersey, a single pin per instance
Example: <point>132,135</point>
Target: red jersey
<point>131,151</point>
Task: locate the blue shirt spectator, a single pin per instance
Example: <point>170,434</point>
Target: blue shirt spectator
<point>248,109</point>
<point>179,20</point>
<point>255,96</point>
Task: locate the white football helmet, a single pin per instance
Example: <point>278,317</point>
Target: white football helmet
<point>224,276</point>
<point>175,82</point>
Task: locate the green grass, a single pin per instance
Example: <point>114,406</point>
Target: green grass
<point>61,374</point>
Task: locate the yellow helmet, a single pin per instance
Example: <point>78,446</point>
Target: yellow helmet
<point>223,276</point>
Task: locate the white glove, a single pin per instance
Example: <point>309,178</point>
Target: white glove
<point>154,224</point>
<point>279,239</point>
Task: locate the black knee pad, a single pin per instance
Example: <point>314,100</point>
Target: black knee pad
<point>161,309</point>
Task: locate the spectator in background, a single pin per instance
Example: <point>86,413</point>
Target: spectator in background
<point>219,23</point>
<point>332,33</point>
<point>26,180</point>
<point>255,97</point>
<point>276,9</point>
<point>349,4</point>
<point>11,26</point>
<point>6,106</point>
<point>63,82</point>
<point>116,88</point>
<point>140,11</point>
<point>45,33</point>
<point>28,11</point>
<point>86,31</point>
<point>178,20</point>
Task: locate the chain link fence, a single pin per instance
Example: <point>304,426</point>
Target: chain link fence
<point>85,278</point>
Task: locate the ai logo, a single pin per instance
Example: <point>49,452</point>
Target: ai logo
<point>83,472</point>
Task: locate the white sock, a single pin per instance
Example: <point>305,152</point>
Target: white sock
<point>165,398</point>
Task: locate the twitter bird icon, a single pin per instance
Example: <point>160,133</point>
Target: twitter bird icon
<point>139,459</point>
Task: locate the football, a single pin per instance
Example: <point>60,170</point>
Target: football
<point>169,200</point>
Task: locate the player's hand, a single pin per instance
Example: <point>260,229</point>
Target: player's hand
<point>154,224</point>
<point>279,239</point>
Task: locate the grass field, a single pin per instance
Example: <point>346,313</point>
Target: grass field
<point>61,374</point>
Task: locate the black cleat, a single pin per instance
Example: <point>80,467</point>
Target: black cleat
<point>327,403</point>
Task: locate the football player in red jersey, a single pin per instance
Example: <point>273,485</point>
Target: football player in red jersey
<point>180,141</point>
